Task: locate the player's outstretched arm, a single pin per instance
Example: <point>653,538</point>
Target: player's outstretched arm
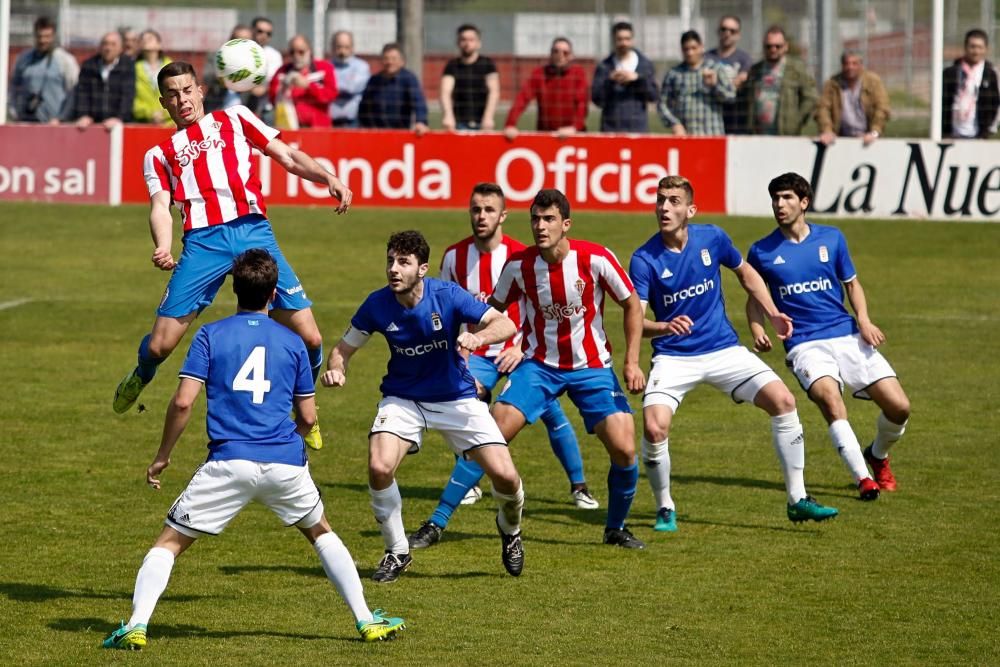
<point>755,318</point>
<point>494,327</point>
<point>635,379</point>
<point>336,365</point>
<point>302,165</point>
<point>178,415</point>
<point>755,286</point>
<point>161,228</point>
<point>305,414</point>
<point>859,303</point>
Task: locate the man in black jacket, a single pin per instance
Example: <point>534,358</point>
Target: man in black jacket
<point>106,89</point>
<point>971,95</point>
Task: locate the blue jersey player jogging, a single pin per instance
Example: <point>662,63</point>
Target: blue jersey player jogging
<point>252,367</point>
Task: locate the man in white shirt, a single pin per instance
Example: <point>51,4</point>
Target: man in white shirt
<point>971,96</point>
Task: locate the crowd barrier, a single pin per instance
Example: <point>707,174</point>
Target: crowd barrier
<point>890,178</point>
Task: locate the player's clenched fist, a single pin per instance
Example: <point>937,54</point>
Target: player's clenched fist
<point>333,379</point>
<point>469,341</point>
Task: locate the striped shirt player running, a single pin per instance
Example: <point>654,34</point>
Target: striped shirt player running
<point>677,273</point>
<point>564,283</point>
<point>255,373</point>
<point>206,169</point>
<point>474,263</point>
<point>808,270</point>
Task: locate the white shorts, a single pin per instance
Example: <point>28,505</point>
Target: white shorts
<point>465,424</point>
<point>734,370</point>
<point>220,489</point>
<point>847,359</point>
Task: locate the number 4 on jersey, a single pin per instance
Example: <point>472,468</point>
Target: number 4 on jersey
<point>251,375</point>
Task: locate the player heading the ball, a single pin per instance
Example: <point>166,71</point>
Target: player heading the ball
<point>206,169</point>
<point>255,372</point>
<point>677,274</point>
<point>428,385</point>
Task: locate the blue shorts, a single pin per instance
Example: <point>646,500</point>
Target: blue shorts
<point>208,256</point>
<point>484,370</point>
<point>594,391</point>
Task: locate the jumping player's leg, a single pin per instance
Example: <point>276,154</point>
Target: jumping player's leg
<point>154,349</point>
<point>827,394</point>
<point>304,324</point>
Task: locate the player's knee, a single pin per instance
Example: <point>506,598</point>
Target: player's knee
<point>777,400</point>
<point>899,411</point>
<point>160,347</point>
<point>655,432</point>
<point>380,474</point>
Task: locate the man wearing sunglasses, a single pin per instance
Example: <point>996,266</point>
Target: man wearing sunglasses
<point>262,31</point>
<point>310,84</point>
<point>780,91</point>
<point>560,90</point>
<point>737,62</point>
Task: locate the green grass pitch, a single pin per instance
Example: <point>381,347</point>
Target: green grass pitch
<point>910,579</point>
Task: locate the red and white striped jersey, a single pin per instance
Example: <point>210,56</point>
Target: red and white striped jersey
<point>477,272</point>
<point>207,168</point>
<point>564,303</point>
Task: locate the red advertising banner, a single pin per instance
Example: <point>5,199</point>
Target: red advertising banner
<point>438,170</point>
<point>55,164</point>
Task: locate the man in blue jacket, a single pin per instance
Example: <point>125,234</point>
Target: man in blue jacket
<point>393,97</point>
<point>624,84</point>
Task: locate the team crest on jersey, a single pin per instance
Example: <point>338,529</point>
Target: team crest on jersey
<point>216,126</point>
<point>706,258</point>
<point>436,321</point>
<point>824,255</point>
<point>580,285</point>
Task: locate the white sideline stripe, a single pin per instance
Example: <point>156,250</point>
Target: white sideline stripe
<point>5,305</point>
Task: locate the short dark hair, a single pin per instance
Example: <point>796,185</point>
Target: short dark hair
<point>255,275</point>
<point>551,197</point>
<point>791,181</point>
<point>690,36</point>
<point>677,183</point>
<point>974,33</point>
<point>467,26</point>
<point>732,17</point>
<point>776,30</point>
<point>260,19</point>
<point>410,242</point>
<point>622,25</point>
<point>392,46</point>
<point>563,39</point>
<point>487,188</point>
<point>176,68</point>
<point>44,23</point>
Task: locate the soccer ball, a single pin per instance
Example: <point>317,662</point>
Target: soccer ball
<point>240,65</point>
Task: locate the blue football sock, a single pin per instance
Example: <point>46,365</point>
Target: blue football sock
<point>146,366</point>
<point>464,476</point>
<point>563,442</point>
<point>621,491</point>
<point>316,360</point>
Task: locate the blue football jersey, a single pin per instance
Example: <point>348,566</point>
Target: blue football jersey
<point>424,362</point>
<point>252,367</point>
<point>689,283</point>
<point>805,281</point>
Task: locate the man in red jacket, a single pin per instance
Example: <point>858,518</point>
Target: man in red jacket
<point>311,84</point>
<point>560,89</point>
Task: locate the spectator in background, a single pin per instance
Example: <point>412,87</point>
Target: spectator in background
<point>854,103</point>
<point>217,96</point>
<point>693,92</point>
<point>43,78</point>
<point>147,107</point>
<point>781,93</point>
<point>737,63</point>
<point>560,91</point>
<point>106,89</point>
<point>310,84</point>
<point>971,97</point>
<point>624,84</point>
<point>470,85</point>
<point>130,42</point>
<point>352,77</point>
<point>393,97</point>
<point>259,102</point>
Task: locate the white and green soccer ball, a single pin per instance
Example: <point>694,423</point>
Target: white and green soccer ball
<point>239,64</point>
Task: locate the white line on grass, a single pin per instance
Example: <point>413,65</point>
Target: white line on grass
<point>5,305</point>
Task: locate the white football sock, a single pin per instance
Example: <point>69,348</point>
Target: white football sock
<point>656,460</point>
<point>150,584</point>
<point>387,505</point>
<point>847,445</point>
<point>340,570</point>
<point>886,436</point>
<point>786,435</point>
<point>509,509</point>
